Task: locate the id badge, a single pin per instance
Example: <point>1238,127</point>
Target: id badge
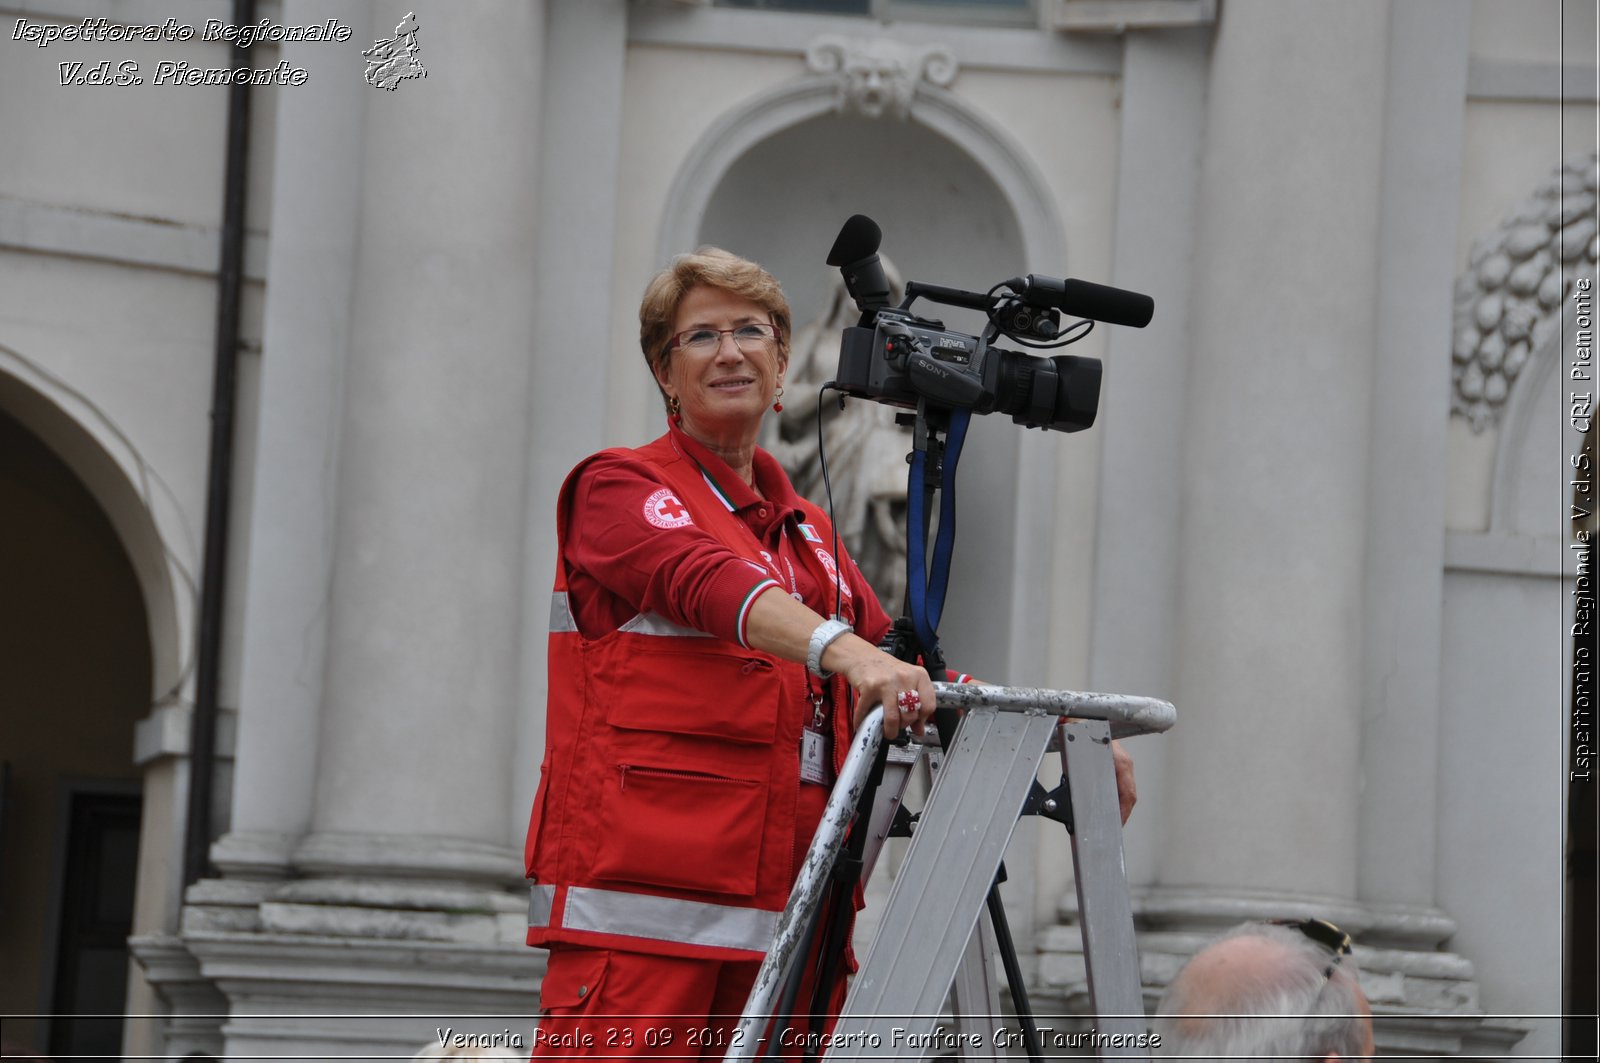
<point>814,761</point>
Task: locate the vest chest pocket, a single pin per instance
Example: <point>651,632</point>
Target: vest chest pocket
<point>700,694</point>
<point>681,830</point>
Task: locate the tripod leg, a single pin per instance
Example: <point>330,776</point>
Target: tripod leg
<point>1019,988</point>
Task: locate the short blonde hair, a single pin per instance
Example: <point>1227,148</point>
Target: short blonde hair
<point>719,269</point>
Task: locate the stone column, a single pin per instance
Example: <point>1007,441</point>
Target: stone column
<point>391,647</point>
<point>1263,786</point>
<point>316,208</point>
<point>412,767</point>
<point>310,270</point>
<point>1428,51</point>
<point>1137,541</point>
<point>1137,553</point>
<point>581,143</point>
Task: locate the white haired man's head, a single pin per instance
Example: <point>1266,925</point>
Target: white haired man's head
<point>1267,992</point>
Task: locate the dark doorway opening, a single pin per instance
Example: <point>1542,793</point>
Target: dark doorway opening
<point>96,916</point>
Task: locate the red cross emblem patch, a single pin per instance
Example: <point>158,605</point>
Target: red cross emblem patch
<point>664,510</point>
<point>833,571</point>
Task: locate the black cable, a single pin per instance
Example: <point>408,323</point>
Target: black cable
<point>1075,332</point>
<point>827,487</point>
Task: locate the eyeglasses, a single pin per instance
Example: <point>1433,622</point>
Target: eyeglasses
<point>1325,934</point>
<point>751,339</point>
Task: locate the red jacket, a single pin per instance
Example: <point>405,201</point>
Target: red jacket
<point>665,816</point>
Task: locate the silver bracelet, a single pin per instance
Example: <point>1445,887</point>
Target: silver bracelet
<point>823,637</point>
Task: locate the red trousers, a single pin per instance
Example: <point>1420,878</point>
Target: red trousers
<point>598,1003</point>
<point>606,1002</point>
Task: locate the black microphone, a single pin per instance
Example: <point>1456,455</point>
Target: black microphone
<point>1101,302</point>
<point>855,253</point>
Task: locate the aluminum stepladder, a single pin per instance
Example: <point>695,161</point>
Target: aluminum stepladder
<point>931,942</point>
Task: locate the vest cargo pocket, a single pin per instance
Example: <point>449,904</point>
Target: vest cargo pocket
<point>572,977</point>
<point>700,693</point>
<point>682,830</point>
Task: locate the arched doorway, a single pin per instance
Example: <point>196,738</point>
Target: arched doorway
<point>75,678</point>
<point>945,221</point>
<point>961,205</point>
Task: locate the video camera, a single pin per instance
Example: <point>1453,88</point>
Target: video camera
<point>897,358</point>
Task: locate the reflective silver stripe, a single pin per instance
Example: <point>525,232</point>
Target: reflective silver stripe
<point>561,621</point>
<point>654,624</point>
<point>540,900</point>
<point>658,918</point>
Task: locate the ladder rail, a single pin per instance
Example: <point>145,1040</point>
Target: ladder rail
<point>1115,715</point>
<point>1128,714</point>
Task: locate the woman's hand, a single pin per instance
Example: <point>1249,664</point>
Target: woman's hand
<point>904,690</point>
<point>1127,792</point>
<point>778,624</point>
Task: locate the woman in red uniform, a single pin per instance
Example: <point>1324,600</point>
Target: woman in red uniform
<point>709,657</point>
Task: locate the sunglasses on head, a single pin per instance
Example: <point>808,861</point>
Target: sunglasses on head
<point>1323,933</point>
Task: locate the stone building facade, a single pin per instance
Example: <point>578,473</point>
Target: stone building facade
<point>1323,509</point>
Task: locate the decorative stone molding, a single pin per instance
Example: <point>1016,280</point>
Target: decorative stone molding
<point>1120,16</point>
<point>317,968</point>
<point>877,76</point>
<point>196,1007</point>
<point>1509,299</point>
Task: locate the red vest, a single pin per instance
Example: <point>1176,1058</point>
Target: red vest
<point>665,816</point>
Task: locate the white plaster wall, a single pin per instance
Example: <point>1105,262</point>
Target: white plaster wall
<point>162,143</point>
<point>943,219</point>
<point>671,96</point>
<point>139,344</point>
<point>1500,789</point>
<point>1503,666</point>
<point>1511,147</point>
<point>136,166</point>
<point>1524,30</point>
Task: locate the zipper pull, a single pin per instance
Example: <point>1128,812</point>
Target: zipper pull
<point>622,777</point>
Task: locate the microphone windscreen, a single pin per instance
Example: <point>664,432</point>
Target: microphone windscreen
<point>858,239</point>
<point>1115,306</point>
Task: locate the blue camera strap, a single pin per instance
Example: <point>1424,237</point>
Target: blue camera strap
<point>925,585</point>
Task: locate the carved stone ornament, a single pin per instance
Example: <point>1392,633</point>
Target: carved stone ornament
<point>1510,297</point>
<point>878,76</point>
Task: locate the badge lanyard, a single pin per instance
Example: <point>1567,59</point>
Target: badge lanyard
<point>816,763</point>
